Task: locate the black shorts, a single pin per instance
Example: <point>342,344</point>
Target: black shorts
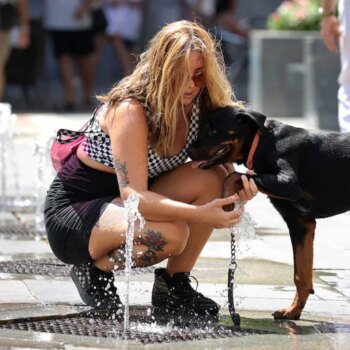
<point>73,43</point>
<point>75,201</point>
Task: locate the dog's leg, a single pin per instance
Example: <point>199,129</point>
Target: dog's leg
<point>302,236</point>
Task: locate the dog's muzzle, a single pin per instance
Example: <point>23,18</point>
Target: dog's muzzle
<point>221,156</point>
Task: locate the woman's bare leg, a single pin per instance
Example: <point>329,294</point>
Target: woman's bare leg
<point>181,242</point>
<point>193,186</point>
<point>156,242</point>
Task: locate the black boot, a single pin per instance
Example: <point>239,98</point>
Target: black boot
<point>177,294</point>
<point>96,287</point>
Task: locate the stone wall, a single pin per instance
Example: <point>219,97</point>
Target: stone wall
<point>292,74</point>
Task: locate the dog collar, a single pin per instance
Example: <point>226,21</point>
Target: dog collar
<point>249,162</point>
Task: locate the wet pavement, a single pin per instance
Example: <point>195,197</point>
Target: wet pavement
<point>41,309</point>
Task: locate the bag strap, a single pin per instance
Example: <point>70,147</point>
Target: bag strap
<point>72,135</point>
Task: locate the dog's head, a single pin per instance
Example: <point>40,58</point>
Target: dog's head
<point>223,136</point>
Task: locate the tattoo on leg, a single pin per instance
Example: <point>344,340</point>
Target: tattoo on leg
<point>155,242</point>
<point>118,258</point>
<point>122,172</point>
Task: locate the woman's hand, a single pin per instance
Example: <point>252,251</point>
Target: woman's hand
<point>249,189</point>
<point>213,214</point>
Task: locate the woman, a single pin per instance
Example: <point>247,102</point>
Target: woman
<point>141,134</point>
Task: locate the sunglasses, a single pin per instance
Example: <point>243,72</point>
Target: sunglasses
<point>198,80</point>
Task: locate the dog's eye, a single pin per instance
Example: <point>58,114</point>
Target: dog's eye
<point>212,132</point>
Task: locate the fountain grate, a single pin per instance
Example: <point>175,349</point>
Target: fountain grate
<point>327,327</point>
<point>18,229</point>
<point>94,326</point>
<point>52,267</point>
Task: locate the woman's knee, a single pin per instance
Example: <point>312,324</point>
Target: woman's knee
<point>211,182</point>
<point>178,238</point>
<point>218,175</point>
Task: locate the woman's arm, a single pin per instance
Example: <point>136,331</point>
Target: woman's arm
<point>128,130</point>
<point>330,26</point>
<point>24,34</point>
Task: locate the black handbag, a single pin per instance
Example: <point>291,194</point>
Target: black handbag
<point>99,21</point>
<point>8,16</point>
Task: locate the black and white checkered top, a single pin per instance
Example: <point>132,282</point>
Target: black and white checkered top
<point>98,144</point>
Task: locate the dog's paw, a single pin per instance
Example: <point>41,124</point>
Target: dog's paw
<point>287,314</point>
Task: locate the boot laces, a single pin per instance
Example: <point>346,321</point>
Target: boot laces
<point>184,286</point>
<point>195,279</point>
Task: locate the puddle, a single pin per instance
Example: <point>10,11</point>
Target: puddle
<point>285,327</point>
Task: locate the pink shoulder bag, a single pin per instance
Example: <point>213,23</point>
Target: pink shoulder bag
<point>67,142</point>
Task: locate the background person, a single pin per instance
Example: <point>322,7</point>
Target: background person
<point>70,24</point>
<point>23,35</point>
<point>123,30</point>
<point>336,35</point>
<point>142,131</point>
<point>233,36</point>
<point>199,10</point>
<point>229,29</point>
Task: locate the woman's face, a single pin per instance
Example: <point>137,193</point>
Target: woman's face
<point>197,80</point>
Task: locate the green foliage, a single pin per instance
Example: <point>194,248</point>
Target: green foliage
<point>296,15</point>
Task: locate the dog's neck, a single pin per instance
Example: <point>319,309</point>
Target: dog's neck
<point>249,148</point>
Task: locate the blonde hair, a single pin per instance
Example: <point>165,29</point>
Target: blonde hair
<point>163,72</point>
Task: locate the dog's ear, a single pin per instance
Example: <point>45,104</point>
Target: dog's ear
<point>256,117</point>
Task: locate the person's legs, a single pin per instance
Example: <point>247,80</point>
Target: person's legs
<point>85,68</point>
<point>156,242</point>
<point>4,54</point>
<point>82,49</point>
<point>197,187</point>
<point>62,43</point>
<point>178,241</point>
<point>344,107</point>
<point>183,184</point>
<point>344,77</point>
<point>99,43</point>
<point>122,53</point>
<point>172,289</point>
<point>67,73</point>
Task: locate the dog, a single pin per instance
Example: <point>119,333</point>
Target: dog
<point>305,174</point>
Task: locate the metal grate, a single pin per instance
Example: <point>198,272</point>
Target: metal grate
<point>22,204</point>
<point>52,267</point>
<point>94,326</point>
<point>326,327</point>
<point>18,229</point>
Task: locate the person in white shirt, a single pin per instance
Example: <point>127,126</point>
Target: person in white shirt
<point>336,35</point>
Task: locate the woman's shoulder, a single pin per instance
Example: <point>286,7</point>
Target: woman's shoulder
<point>130,110</point>
<point>131,104</point>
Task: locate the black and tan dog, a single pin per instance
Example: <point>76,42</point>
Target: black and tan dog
<point>305,174</point>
